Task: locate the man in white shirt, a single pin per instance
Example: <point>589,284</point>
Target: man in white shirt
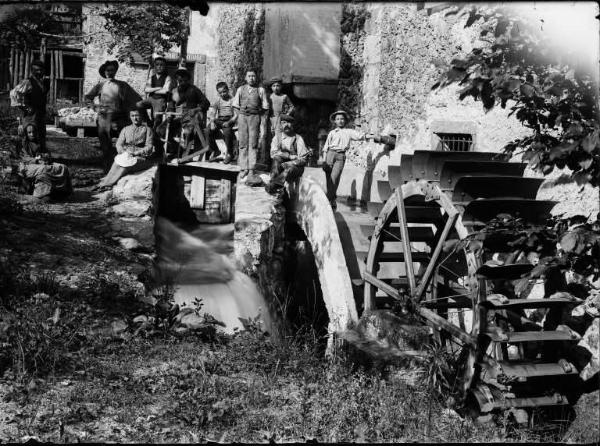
<point>289,155</point>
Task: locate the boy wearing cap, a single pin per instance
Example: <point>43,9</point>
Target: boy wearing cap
<point>251,102</point>
<point>117,99</point>
<point>334,151</point>
<point>280,104</point>
<point>222,119</point>
<point>158,87</point>
<point>289,155</point>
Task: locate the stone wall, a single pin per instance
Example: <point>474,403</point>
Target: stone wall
<point>96,53</point>
<point>239,43</point>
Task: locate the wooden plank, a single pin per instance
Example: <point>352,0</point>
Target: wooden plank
<point>226,200</point>
<point>197,190</point>
<point>410,271</point>
<point>529,370</point>
<point>528,303</point>
<point>531,336</point>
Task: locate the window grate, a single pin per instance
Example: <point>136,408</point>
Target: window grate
<point>454,142</point>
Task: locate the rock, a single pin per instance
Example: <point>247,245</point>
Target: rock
<point>132,208</point>
<point>135,186</point>
<point>118,327</point>
<point>591,342</point>
<point>128,243</point>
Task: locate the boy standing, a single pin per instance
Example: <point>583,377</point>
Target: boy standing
<point>280,105</point>
<point>334,152</point>
<point>157,88</point>
<point>251,102</point>
<point>222,119</point>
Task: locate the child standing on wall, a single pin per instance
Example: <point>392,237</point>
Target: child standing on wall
<point>334,151</point>
<point>280,105</point>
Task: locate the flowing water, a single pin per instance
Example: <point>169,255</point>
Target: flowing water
<point>198,265</point>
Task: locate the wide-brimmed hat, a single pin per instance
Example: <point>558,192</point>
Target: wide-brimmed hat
<point>183,72</point>
<point>159,58</point>
<point>339,112</point>
<point>287,118</point>
<point>102,69</point>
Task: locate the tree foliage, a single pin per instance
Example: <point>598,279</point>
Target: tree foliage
<point>25,27</point>
<point>144,29</point>
<point>557,101</point>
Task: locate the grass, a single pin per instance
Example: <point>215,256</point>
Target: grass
<point>171,387</point>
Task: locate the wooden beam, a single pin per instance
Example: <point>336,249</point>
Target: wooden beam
<point>436,254</point>
<point>450,328</point>
<point>408,264</point>
<point>385,287</point>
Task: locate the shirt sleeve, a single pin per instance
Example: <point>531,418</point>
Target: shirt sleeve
<point>203,103</point>
<point>236,98</point>
<point>327,143</point>
<point>265,100</point>
<point>302,150</point>
<point>356,135</point>
<point>274,148</point>
<point>121,141</point>
<point>290,106</point>
<point>95,91</point>
<point>167,86</point>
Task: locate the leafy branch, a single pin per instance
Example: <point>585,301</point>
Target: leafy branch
<point>555,100</point>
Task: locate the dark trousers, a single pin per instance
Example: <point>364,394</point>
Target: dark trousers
<point>109,124</point>
<point>227,134</point>
<point>280,174</point>
<point>248,134</point>
<point>334,164</point>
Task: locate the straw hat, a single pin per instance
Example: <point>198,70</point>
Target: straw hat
<point>339,112</point>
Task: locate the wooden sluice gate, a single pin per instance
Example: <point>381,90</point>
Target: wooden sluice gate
<point>199,191</point>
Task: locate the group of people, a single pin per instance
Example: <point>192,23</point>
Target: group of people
<point>177,113</point>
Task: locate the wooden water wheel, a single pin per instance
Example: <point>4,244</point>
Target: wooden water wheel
<point>424,257</point>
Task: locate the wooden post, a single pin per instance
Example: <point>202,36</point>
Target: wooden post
<point>11,67</point>
<point>409,266</point>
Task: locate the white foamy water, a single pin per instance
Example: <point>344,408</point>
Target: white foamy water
<point>199,269</point>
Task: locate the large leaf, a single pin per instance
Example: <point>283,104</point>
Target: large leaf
<point>569,241</point>
<point>561,150</point>
<point>590,142</point>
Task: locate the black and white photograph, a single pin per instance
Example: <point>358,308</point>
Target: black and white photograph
<point>299,222</point>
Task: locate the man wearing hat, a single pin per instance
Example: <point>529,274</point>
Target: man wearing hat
<point>189,100</point>
<point>289,155</point>
<point>334,151</point>
<point>158,88</point>
<point>30,94</point>
<point>280,104</point>
<point>117,99</point>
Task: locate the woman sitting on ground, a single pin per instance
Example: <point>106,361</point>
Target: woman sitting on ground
<point>135,149</point>
<point>37,173</point>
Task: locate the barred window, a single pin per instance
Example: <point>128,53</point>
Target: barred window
<point>454,142</point>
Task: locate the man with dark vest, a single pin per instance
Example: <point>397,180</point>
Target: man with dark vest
<point>289,155</point>
<point>158,88</point>
<point>117,99</point>
<point>30,95</point>
<point>252,102</point>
